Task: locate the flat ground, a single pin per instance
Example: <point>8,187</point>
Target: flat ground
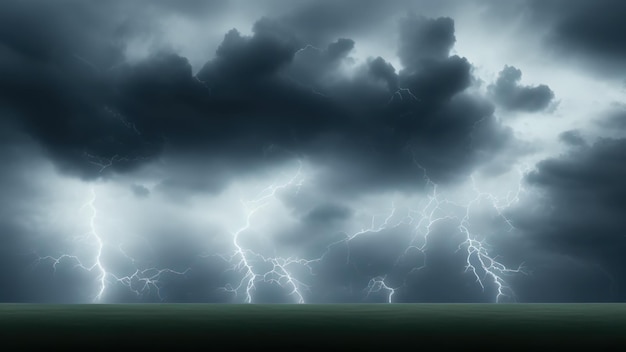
<point>314,327</point>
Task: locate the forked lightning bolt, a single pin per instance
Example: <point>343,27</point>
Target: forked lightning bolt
<point>140,282</point>
<point>280,273</point>
<point>477,250</point>
<point>93,238</point>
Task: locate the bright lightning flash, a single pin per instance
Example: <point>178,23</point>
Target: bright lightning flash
<point>279,274</point>
<point>90,237</point>
<point>252,268</point>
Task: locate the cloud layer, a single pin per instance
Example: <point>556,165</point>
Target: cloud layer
<point>508,92</point>
<point>327,151</point>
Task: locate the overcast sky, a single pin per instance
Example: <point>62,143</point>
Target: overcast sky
<point>312,151</point>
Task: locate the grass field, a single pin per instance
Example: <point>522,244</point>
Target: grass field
<point>314,327</point>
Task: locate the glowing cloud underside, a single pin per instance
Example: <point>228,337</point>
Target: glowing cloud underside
<point>248,267</point>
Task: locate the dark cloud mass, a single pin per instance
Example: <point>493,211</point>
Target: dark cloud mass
<point>580,214</point>
<point>425,40</point>
<point>100,95</point>
<point>509,93</point>
<point>615,118</point>
<point>583,30</point>
<point>260,90</point>
<point>594,26</point>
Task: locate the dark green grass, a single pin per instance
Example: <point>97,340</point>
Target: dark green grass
<point>298,327</point>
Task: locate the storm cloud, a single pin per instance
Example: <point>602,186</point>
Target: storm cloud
<point>306,151</point>
<point>246,99</point>
<point>579,31</point>
<point>509,93</point>
<point>579,213</point>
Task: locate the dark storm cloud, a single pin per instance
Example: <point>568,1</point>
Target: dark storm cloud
<point>314,66</point>
<point>578,29</point>
<point>615,118</point>
<point>581,212</point>
<point>21,202</point>
<point>337,17</point>
<point>15,194</point>
<point>563,278</point>
<point>511,95</point>
<point>572,138</point>
<point>593,26</point>
<point>55,71</point>
<point>425,40</point>
<point>267,91</point>
<point>319,22</point>
<point>380,69</point>
<point>616,121</point>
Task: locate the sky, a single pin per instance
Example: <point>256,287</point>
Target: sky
<point>312,151</point>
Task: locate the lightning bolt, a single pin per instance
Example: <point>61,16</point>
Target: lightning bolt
<point>280,273</point>
<point>400,94</point>
<point>104,163</point>
<point>478,260</point>
<point>307,47</point>
<point>477,250</point>
<point>99,246</point>
<point>377,284</point>
<point>118,116</point>
<point>141,282</point>
<point>91,237</point>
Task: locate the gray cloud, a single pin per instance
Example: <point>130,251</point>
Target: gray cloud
<point>614,119</point>
<point>510,94</point>
<point>593,27</point>
<point>580,213</point>
<point>584,32</point>
<point>572,138</point>
<point>425,40</point>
